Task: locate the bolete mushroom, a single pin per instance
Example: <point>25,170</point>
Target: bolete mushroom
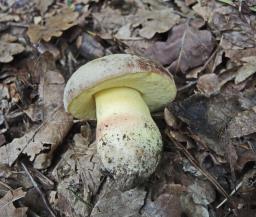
<point>119,91</point>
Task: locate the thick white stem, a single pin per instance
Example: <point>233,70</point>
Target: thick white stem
<point>128,141</point>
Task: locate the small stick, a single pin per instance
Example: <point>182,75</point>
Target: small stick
<point>233,192</point>
<point>38,190</point>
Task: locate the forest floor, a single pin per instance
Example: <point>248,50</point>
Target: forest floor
<point>49,165</point>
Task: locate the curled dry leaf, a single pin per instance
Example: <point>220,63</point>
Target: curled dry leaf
<point>185,48</point>
<point>6,204</point>
<point>54,26</point>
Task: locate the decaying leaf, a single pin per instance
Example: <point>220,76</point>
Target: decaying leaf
<point>147,22</point>
<point>43,139</point>
<point>192,209</point>
<point>48,138</point>
<point>203,11</point>
<point>6,204</point>
<point>116,203</point>
<point>43,5</point>
<point>8,49</point>
<point>54,26</point>
<point>209,84</point>
<point>202,192</point>
<point>79,177</point>
<point>248,69</point>
<point>243,124</point>
<point>152,22</point>
<point>207,118</point>
<point>185,48</point>
<point>165,205</point>
<point>236,30</point>
<point>40,143</point>
<point>89,47</point>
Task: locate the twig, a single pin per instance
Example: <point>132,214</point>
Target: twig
<point>195,163</point>
<point>38,190</point>
<point>6,186</point>
<point>233,192</point>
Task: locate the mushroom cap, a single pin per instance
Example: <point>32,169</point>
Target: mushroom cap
<point>155,84</point>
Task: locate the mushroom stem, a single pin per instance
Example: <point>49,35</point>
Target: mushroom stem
<point>128,140</point>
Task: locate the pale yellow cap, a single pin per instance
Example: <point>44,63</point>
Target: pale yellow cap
<point>118,70</point>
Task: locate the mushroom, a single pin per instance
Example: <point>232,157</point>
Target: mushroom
<point>119,91</point>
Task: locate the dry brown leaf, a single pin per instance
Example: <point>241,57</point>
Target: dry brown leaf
<point>8,49</point>
<point>79,166</point>
<point>165,205</point>
<point>44,139</point>
<point>40,143</point>
<point>116,203</point>
<point>203,11</point>
<point>192,209</point>
<point>185,48</point>
<point>207,118</point>
<point>209,84</point>
<point>237,55</point>
<point>144,23</point>
<point>7,209</point>
<point>236,30</point>
<point>156,21</point>
<point>48,138</point>
<point>54,26</point>
<point>248,69</point>
<point>243,124</point>
<point>43,5</point>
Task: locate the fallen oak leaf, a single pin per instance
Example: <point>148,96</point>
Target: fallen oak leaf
<point>54,26</point>
<point>185,48</point>
<point>147,22</point>
<point>156,21</point>
<point>8,50</point>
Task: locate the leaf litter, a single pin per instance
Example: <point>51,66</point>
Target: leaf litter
<point>208,132</point>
